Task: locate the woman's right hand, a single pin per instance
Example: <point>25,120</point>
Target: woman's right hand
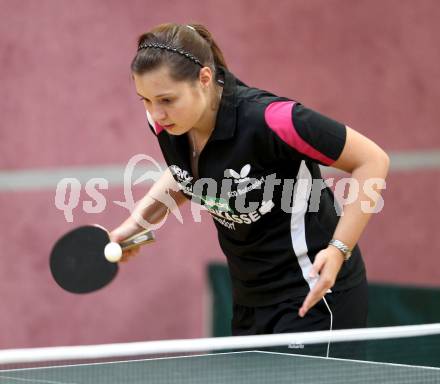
<point>127,229</point>
<point>151,209</point>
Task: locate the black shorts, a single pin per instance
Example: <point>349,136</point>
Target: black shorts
<point>338,310</point>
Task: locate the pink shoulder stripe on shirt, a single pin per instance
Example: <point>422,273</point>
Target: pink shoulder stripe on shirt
<point>278,117</point>
<point>157,128</point>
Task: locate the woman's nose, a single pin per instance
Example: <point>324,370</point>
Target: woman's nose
<point>158,114</point>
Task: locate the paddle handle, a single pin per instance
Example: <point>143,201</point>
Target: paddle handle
<point>140,238</point>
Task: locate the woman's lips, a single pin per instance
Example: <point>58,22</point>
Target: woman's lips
<point>169,126</point>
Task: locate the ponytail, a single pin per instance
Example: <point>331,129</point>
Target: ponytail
<point>219,59</point>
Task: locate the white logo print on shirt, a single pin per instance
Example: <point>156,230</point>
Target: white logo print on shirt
<point>242,177</point>
<point>239,178</point>
<point>183,176</point>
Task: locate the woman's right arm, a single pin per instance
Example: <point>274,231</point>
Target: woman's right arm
<point>150,209</point>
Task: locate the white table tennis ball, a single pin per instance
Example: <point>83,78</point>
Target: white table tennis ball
<point>113,252</point>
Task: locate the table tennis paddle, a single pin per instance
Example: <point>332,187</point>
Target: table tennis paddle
<point>77,259</point>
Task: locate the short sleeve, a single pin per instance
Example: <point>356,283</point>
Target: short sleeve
<point>312,135</point>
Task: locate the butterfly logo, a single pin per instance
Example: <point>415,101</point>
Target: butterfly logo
<point>239,177</point>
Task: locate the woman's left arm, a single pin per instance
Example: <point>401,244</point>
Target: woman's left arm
<point>365,160</point>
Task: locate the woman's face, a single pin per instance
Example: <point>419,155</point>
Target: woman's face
<point>175,105</point>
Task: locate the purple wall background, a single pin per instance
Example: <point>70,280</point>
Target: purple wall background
<point>67,100</point>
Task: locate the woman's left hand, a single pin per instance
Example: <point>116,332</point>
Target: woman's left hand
<point>327,264</point>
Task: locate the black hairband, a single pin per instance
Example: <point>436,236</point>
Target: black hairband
<point>171,49</point>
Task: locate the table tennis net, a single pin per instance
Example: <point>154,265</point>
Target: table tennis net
<point>406,354</point>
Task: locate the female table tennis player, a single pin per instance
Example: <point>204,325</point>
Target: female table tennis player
<point>292,269</point>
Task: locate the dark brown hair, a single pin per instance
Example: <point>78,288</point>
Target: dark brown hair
<point>194,39</point>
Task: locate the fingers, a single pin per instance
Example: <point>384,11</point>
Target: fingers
<point>119,234</point>
<point>127,229</point>
<point>315,295</point>
<point>128,254</point>
<point>327,264</point>
<point>318,291</point>
<point>317,265</point>
<point>124,231</point>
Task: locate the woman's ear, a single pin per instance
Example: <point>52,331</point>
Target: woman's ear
<point>205,77</point>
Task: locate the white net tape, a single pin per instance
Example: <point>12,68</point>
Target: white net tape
<point>30,355</point>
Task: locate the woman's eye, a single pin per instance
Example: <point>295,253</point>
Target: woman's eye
<point>163,101</point>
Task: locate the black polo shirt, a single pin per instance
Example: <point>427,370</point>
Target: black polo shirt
<point>259,179</point>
